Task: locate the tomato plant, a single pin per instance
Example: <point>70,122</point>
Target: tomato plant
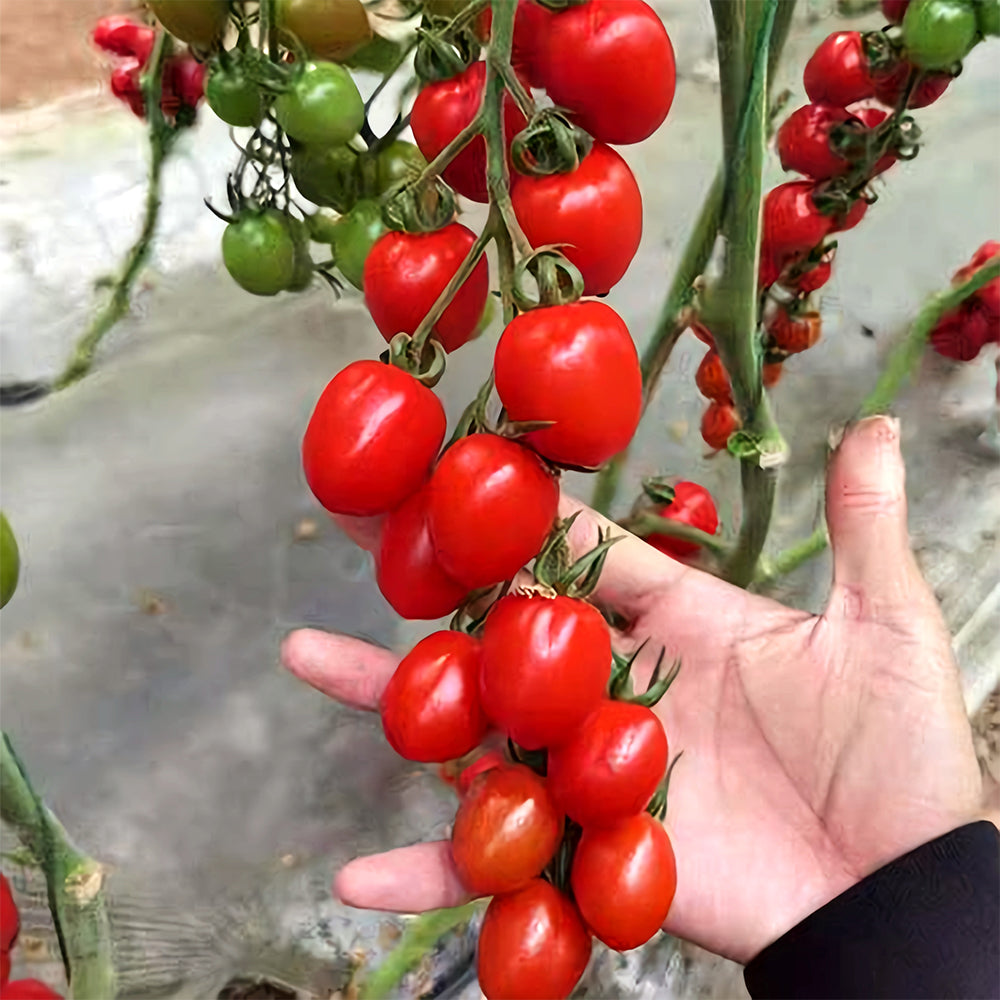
<point>329,29</point>
<point>692,504</point>
<point>430,707</point>
<point>492,504</point>
<point>323,106</point>
<point>532,944</point>
<point>546,663</point>
<point>259,253</point>
<point>570,210</point>
<point>405,273</point>
<point>506,830</point>
<point>624,878</point>
<point>371,439</point>
<point>576,366</point>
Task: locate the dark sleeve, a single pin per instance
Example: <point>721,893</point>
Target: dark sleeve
<point>926,925</point>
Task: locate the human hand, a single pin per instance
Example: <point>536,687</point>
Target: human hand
<point>816,748</point>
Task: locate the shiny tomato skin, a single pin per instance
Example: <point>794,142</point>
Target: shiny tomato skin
<point>546,665</point>
<point>792,224</point>
<point>792,334</point>
<point>610,63</point>
<point>712,380</point>
<point>889,87</point>
<point>893,10</point>
<point>718,423</point>
<point>693,505</point>
<point>371,439</point>
<point>530,28</point>
<point>5,964</point>
<point>442,109</point>
<point>506,831</point>
<point>609,768</point>
<point>407,571</point>
<point>849,219</point>
<point>575,365</point>
<point>594,213</point>
<point>624,878</point>
<point>804,141</point>
<point>838,72</point>
<point>406,272</point>
<point>959,335</point>
<point>197,22</point>
<point>492,505</point>
<point>28,989</point>
<point>329,29</point>
<point>430,707</point>
<point>809,280</point>
<point>10,920</point>
<point>533,943</point>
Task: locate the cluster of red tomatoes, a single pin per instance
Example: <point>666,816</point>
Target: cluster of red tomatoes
<point>10,925</point>
<point>963,332</point>
<point>183,82</point>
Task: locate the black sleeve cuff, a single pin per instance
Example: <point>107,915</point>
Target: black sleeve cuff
<point>926,925</point>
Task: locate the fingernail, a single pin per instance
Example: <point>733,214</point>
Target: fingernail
<point>879,428</point>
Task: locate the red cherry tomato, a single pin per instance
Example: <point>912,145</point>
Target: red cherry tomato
<point>960,335</point>
<point>806,141</point>
<point>183,83</point>
<point>893,10</point>
<point>430,707</point>
<point>10,921</point>
<point>808,281</point>
<point>575,365</point>
<point>610,767</point>
<point>792,224</point>
<point>839,71</point>
<point>532,944</point>
<point>492,504</point>
<point>530,27</point>
<point>572,210</point>
<point>870,117</point>
<point>546,664</point>
<point>610,63</point>
<point>889,87</point>
<point>983,255</point>
<point>718,423</point>
<point>624,878</point>
<point>122,36</point>
<point>126,87</point>
<point>407,570</point>
<point>28,989</point>
<point>712,380</point>
<point>692,504</point>
<point>849,219</point>
<point>371,439</point>
<point>480,765</point>
<point>702,332</point>
<point>506,830</point>
<point>406,272</point>
<point>772,374</point>
<point>442,109</point>
<point>4,967</point>
<point>792,334</point>
<point>987,299</point>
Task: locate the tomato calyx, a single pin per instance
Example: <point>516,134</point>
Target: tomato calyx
<point>561,865</point>
<point>882,55</point>
<point>549,144</point>
<point>657,807</point>
<point>444,50</point>
<point>659,490</point>
<point>557,5</point>
<point>422,205</point>
<point>557,281</point>
<point>620,685</point>
<point>426,363</point>
<point>555,569</point>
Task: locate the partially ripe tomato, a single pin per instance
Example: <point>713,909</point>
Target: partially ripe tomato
<point>712,380</point>
<point>718,424</point>
<point>406,272</point>
<point>789,333</point>
<point>371,439</point>
<point>692,504</point>
<point>792,224</point>
<point>442,109</point>
<point>329,29</point>
<point>197,22</point>
<point>546,664</point>
<point>492,505</point>
<point>594,214</point>
<point>624,878</point>
<point>532,944</point>
<point>839,72</point>
<point>430,707</point>
<point>610,63</point>
<point>609,768</point>
<point>506,831</point>
<point>407,570</point>
<point>10,921</point>
<point>574,365</point>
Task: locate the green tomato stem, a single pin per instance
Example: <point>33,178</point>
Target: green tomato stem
<point>644,525</point>
<point>74,881</point>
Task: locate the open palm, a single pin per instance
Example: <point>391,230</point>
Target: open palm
<point>816,748</point>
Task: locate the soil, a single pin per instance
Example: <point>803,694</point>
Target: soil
<point>46,52</point>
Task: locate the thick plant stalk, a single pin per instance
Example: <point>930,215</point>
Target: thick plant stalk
<point>161,137</point>
<point>75,883</point>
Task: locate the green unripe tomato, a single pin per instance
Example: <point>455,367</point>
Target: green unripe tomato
<point>988,12</point>
<point>329,177</point>
<point>234,97</point>
<point>322,226</point>
<point>938,33</point>
<point>10,561</point>
<point>329,29</point>
<point>259,253</point>
<point>302,276</point>
<point>399,161</point>
<point>354,236</point>
<point>323,106</point>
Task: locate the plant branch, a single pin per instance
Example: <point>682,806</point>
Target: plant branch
<point>644,525</point>
<point>75,882</point>
<point>792,558</point>
<point>161,138</point>
<point>522,98</point>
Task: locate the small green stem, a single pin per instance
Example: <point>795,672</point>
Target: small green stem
<point>419,936</point>
<point>522,98</point>
<point>792,558</point>
<point>906,356</point>
<point>644,525</point>
<point>161,136</point>
<point>75,882</point>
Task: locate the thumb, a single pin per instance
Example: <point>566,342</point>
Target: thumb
<point>866,514</point>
